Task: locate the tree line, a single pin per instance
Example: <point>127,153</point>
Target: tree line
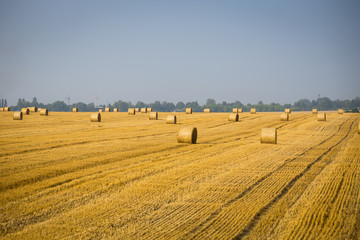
<point>322,104</point>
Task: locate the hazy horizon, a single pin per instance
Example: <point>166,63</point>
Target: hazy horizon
<point>247,51</point>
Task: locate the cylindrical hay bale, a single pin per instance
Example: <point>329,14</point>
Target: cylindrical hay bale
<point>359,128</point>
<point>187,135</point>
<point>44,112</point>
<point>33,109</point>
<point>340,111</point>
<point>153,116</point>
<point>131,111</point>
<point>137,109</point>
<point>143,110</point>
<point>253,110</point>
<point>314,111</point>
<point>115,109</point>
<point>7,109</point>
<point>25,111</point>
<point>75,109</point>
<point>188,110</point>
<point>207,110</point>
<point>235,110</point>
<point>1,109</point>
<point>171,119</point>
<point>284,117</point>
<point>95,117</point>
<point>148,109</point>
<point>18,116</point>
<point>39,109</point>
<point>240,110</point>
<point>268,135</point>
<point>287,110</point>
<point>100,110</point>
<point>233,117</point>
<point>107,109</point>
<point>321,116</point>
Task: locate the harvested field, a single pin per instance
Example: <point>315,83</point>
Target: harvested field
<point>64,177</point>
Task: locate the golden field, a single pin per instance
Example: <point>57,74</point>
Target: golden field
<point>64,177</point>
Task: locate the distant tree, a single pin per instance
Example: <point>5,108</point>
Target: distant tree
<point>168,107</point>
<point>34,102</point>
<point>59,106</point>
<point>5,103</point>
<point>180,106</point>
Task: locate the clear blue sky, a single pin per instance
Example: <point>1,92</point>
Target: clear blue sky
<point>274,51</point>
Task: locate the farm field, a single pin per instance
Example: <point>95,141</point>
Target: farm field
<point>64,177</point>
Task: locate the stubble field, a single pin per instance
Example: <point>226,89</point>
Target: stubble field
<point>64,177</point>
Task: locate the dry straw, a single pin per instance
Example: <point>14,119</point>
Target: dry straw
<point>268,135</point>
<point>44,112</point>
<point>136,109</point>
<point>131,111</point>
<point>33,109</point>
<point>148,109</point>
<point>188,110</point>
<point>171,119</point>
<point>207,110</point>
<point>18,116</point>
<point>153,116</point>
<point>75,109</point>
<point>7,109</point>
<point>233,117</point>
<point>95,117</point>
<point>25,111</point>
<point>340,111</point>
<point>143,110</point>
<point>107,109</point>
<point>187,135</point>
<point>284,117</point>
<point>321,117</point>
<point>314,111</point>
<point>359,128</point>
<point>252,110</point>
<point>115,110</point>
<point>287,110</point>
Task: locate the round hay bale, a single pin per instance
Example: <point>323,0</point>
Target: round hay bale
<point>18,116</point>
<point>321,117</point>
<point>284,117</point>
<point>314,111</point>
<point>1,109</point>
<point>153,116</point>
<point>340,111</point>
<point>207,110</point>
<point>359,128</point>
<point>7,109</point>
<point>107,109</point>
<point>95,117</point>
<point>240,110</point>
<point>131,111</point>
<point>171,119</point>
<point>75,109</point>
<point>287,110</point>
<point>39,109</point>
<point>136,109</point>
<point>100,110</point>
<point>33,109</point>
<point>148,109</point>
<point>268,135</point>
<point>115,110</point>
<point>187,135</point>
<point>188,110</point>
<point>252,110</point>
<point>143,110</point>
<point>44,112</point>
<point>25,111</point>
<point>235,110</point>
<point>233,117</point>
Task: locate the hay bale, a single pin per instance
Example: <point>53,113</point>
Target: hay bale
<point>7,109</point>
<point>153,116</point>
<point>115,110</point>
<point>131,111</point>
<point>240,110</point>
<point>95,117</point>
<point>39,109</point>
<point>100,110</point>
<point>25,111</point>
<point>287,110</point>
<point>268,135</point>
<point>107,109</point>
<point>143,110</point>
<point>340,111</point>
<point>1,109</point>
<point>359,128</point>
<point>314,111</point>
<point>233,117</point>
<point>33,109</point>
<point>321,117</point>
<point>136,109</point>
<point>171,119</point>
<point>75,109</point>
<point>284,117</point>
<point>187,135</point>
<point>44,112</point>
<point>252,110</point>
<point>207,110</point>
<point>188,110</point>
<point>235,110</point>
<point>149,109</point>
<point>18,116</point>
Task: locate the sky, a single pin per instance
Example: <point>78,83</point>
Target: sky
<point>247,51</point>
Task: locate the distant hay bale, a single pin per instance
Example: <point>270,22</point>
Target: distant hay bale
<point>187,135</point>
<point>7,109</point>
<point>100,110</point>
<point>284,117</point>
<point>240,110</point>
<point>25,111</point>
<point>107,109</point>
<point>235,110</point>
<point>153,116</point>
<point>340,111</point>
<point>143,110</point>
<point>359,128</point>
<point>314,111</point>
<point>287,110</point>
<point>233,117</point>
<point>1,109</point>
<point>18,116</point>
<point>131,111</point>
<point>321,117</point>
<point>149,109</point>
<point>252,110</point>
<point>207,110</point>
<point>39,109</point>
<point>268,135</point>
<point>44,112</point>
<point>171,119</point>
<point>136,109</point>
<point>75,109</point>
<point>95,117</point>
<point>115,110</point>
<point>188,110</point>
<point>33,109</point>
